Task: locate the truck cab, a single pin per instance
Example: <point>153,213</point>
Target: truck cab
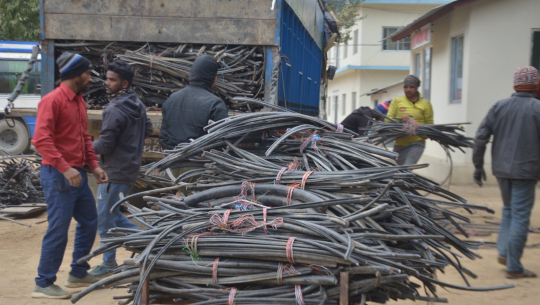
<point>16,132</point>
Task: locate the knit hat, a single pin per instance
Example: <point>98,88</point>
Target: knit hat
<point>72,65</point>
<point>383,107</point>
<point>411,80</point>
<point>526,79</point>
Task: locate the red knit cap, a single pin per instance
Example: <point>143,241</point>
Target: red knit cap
<point>526,79</point>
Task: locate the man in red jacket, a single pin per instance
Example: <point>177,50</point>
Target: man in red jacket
<point>61,137</point>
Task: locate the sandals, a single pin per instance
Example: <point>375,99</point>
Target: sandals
<point>524,274</point>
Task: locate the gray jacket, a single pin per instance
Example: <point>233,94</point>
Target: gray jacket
<point>515,125</point>
<point>187,111</point>
<point>121,140</point>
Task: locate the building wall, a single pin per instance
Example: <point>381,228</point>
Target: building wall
<point>371,67</point>
<point>492,51</point>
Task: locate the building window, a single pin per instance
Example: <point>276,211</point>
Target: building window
<point>426,82</point>
<point>355,42</point>
<point>354,101</point>
<point>456,73</point>
<point>336,101</point>
<point>345,47</point>
<point>344,104</point>
<point>337,55</point>
<point>417,65</point>
<point>400,45</point>
<point>535,58</point>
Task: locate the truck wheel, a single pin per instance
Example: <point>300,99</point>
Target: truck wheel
<point>14,140</point>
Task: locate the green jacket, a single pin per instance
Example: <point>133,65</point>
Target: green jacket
<point>421,111</point>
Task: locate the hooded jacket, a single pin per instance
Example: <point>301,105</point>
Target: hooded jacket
<point>358,119</point>
<point>187,111</point>
<point>121,140</point>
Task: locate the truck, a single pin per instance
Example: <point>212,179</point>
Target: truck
<point>17,131</point>
<point>291,32</point>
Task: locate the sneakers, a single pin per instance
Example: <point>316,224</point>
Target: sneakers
<point>75,282</point>
<point>102,270</point>
<point>51,292</point>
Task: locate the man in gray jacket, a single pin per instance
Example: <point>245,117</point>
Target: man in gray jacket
<point>120,145</point>
<point>515,125</point>
<point>187,111</point>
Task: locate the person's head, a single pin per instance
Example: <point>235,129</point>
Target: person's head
<point>75,71</point>
<point>526,79</point>
<point>410,86</point>
<point>119,77</point>
<point>204,72</point>
<point>381,108</point>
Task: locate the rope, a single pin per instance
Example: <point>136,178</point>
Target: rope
<point>214,271</point>
<point>246,185</point>
<point>299,295</point>
<point>232,296</point>
<point>290,193</point>
<point>304,179</point>
<point>289,250</point>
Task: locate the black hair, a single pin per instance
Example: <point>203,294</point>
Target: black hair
<point>123,69</point>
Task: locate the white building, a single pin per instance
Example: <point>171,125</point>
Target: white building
<point>468,51</point>
<point>366,62</point>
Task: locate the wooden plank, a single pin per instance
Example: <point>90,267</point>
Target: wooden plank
<point>243,9</point>
<point>22,211</point>
<point>344,288</point>
<point>164,29</point>
<point>145,295</point>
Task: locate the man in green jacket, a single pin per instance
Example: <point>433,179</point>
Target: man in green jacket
<point>413,106</point>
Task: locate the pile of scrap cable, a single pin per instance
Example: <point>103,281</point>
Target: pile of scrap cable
<point>19,180</point>
<point>164,68</point>
<point>275,207</point>
<point>447,135</point>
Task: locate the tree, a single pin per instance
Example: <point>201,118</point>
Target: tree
<point>347,14</point>
<point>19,20</point>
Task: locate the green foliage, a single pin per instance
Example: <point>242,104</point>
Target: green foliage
<point>347,13</point>
<point>19,20</point>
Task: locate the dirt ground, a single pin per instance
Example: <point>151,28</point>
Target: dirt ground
<point>20,250</point>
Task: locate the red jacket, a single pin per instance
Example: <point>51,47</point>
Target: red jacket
<point>61,134</point>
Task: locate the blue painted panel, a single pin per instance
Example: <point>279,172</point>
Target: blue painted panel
<point>301,61</point>
<point>31,121</point>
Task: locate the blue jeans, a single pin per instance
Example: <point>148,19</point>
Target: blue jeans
<point>107,196</point>
<point>518,198</point>
<point>63,203</point>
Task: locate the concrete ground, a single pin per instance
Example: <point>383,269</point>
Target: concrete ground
<point>20,251</point>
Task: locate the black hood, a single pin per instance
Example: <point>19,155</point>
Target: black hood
<point>203,72</point>
<point>130,105</point>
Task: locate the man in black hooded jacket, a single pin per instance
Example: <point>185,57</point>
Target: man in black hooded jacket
<point>120,145</point>
<point>187,111</point>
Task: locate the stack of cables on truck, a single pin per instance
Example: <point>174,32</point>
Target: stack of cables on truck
<point>281,206</point>
<point>19,180</point>
<point>164,68</point>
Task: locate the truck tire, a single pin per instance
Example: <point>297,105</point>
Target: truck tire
<point>14,140</point>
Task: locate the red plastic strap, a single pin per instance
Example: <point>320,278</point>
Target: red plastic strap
<point>232,296</point>
<point>265,212</point>
<point>299,295</point>
<point>304,179</point>
<point>289,250</point>
<point>278,177</point>
<point>290,193</point>
<point>214,271</point>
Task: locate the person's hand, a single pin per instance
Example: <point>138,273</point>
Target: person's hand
<point>478,175</point>
<point>73,177</point>
<point>100,175</point>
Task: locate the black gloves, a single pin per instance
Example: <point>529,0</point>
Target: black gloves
<point>478,175</point>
